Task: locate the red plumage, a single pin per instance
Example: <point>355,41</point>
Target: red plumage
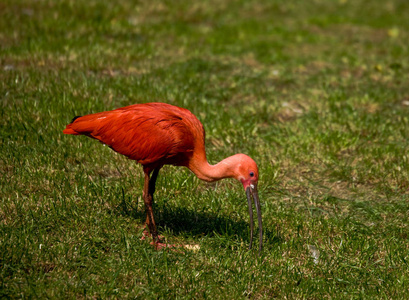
<point>155,134</point>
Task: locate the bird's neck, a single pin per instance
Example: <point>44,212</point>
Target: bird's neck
<point>207,172</point>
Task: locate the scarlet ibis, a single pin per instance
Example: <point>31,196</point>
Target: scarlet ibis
<point>157,134</point>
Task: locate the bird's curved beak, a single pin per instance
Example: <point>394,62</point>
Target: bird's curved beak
<point>251,192</point>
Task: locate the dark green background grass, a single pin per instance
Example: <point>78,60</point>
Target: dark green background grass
<point>317,92</point>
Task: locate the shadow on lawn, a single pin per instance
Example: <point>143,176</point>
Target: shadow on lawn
<point>181,222</point>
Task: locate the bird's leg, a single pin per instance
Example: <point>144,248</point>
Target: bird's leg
<point>151,190</point>
<point>148,191</point>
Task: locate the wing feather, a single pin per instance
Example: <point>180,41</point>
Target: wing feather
<point>148,133</point>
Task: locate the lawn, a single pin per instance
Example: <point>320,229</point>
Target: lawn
<point>316,92</point>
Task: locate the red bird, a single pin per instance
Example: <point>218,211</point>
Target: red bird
<point>158,134</point>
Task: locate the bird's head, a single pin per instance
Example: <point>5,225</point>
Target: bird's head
<point>246,171</point>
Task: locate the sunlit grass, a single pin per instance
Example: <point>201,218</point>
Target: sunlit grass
<point>316,92</point>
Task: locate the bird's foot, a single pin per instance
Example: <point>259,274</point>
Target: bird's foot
<point>159,246</point>
<point>146,234</point>
<point>160,241</point>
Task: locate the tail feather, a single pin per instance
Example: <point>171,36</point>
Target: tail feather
<point>76,117</point>
<point>69,130</point>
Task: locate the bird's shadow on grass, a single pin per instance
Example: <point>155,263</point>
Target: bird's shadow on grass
<point>180,221</point>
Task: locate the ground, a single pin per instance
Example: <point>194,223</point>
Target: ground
<point>316,92</point>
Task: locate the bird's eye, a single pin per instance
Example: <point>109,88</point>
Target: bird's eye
<point>251,174</point>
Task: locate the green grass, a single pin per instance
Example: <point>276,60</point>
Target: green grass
<point>315,91</point>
